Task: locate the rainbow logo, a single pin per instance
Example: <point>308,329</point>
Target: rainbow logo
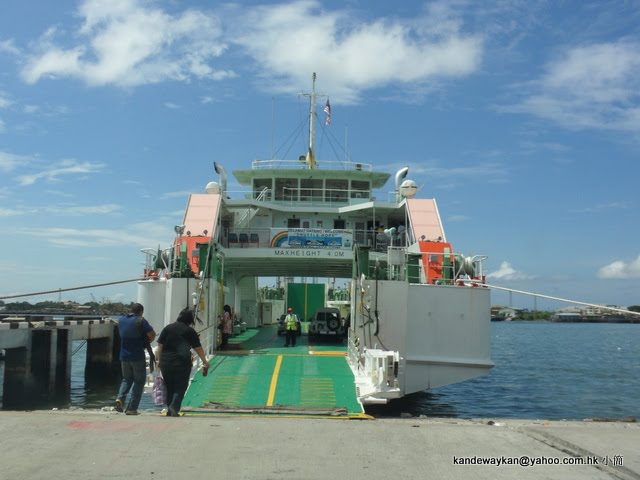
<point>279,239</point>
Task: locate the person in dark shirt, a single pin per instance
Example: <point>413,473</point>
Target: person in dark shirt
<point>174,358</point>
<point>134,331</point>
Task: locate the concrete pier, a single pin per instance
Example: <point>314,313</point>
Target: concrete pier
<point>38,356</point>
<point>91,445</point>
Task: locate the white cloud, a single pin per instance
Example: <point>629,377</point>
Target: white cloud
<point>479,170</point>
<point>129,43</point>
<point>602,207</point>
<point>507,272</point>
<point>11,212</point>
<point>458,218</point>
<point>593,86</point>
<point>59,193</point>
<point>83,210</point>
<point>7,46</point>
<point>620,269</point>
<point>62,210</point>
<point>290,40</point>
<point>171,105</point>
<point>184,194</point>
<point>4,102</point>
<point>135,42</point>
<point>146,234</point>
<point>9,161</point>
<point>66,167</point>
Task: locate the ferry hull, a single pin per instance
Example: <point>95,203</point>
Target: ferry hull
<point>441,335</point>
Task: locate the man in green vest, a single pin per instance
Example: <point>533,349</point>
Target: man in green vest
<point>291,323</point>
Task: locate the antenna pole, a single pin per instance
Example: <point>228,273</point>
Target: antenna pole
<point>312,115</point>
<point>273,122</point>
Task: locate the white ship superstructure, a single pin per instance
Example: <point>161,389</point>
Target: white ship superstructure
<point>419,312</point>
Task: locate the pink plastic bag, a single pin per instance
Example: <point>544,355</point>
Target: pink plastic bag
<point>159,391</point>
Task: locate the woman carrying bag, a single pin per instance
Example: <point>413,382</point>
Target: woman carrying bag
<point>174,358</point>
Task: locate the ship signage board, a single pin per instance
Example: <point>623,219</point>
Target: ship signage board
<point>311,253</point>
<point>312,238</point>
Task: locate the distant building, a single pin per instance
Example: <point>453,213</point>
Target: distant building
<point>566,317</point>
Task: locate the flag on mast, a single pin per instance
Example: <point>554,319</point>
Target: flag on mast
<point>327,110</point>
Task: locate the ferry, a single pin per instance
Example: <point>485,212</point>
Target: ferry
<point>417,313</point>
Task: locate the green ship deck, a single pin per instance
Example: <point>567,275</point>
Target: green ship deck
<point>257,375</point>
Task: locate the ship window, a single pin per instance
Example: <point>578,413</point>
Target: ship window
<point>339,224</point>
<point>336,190</point>
<point>259,184</point>
<point>293,223</point>
<point>286,189</point>
<point>310,189</point>
<point>360,189</point>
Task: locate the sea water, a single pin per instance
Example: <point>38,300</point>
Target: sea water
<point>543,370</point>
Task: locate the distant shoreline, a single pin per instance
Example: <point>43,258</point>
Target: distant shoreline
<point>573,320</point>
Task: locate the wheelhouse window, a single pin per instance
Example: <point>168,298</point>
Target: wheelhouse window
<point>286,189</point>
<point>336,190</point>
<point>293,223</point>
<point>259,184</point>
<point>311,189</point>
<point>360,189</point>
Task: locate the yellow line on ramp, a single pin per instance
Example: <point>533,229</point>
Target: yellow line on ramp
<point>274,381</point>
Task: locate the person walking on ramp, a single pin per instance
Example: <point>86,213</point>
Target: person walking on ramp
<point>135,332</point>
<point>292,324</point>
<point>174,357</point>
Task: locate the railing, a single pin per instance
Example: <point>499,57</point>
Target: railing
<point>302,165</point>
<point>209,341</point>
<point>324,196</point>
<point>339,294</point>
<point>307,196</point>
<point>303,196</point>
<point>264,194</point>
<point>271,293</point>
<point>441,268</point>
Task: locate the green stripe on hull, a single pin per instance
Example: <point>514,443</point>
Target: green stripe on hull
<point>262,376</point>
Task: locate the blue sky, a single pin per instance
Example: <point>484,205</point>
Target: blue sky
<point>521,118</point>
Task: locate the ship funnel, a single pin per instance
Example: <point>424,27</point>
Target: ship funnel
<point>223,176</point>
<point>400,176</point>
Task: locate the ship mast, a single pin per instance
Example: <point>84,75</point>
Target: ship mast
<point>310,159</point>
